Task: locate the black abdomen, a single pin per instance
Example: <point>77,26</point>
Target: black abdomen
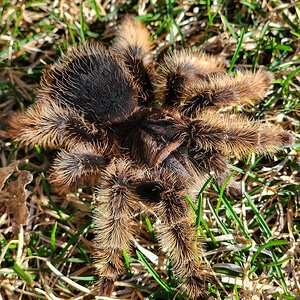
<point>94,84</point>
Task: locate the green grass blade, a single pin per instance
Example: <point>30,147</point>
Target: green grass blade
<point>222,192</point>
<point>232,213</point>
<point>229,27</point>
<point>153,273</point>
<point>267,234</point>
<point>82,24</point>
<point>236,53</point>
<point>26,277</point>
<point>127,262</point>
<point>218,220</point>
<point>267,245</point>
<point>53,239</point>
<point>259,43</point>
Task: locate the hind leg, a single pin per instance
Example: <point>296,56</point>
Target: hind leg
<point>165,195</point>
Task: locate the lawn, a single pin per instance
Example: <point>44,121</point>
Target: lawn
<point>251,243</point>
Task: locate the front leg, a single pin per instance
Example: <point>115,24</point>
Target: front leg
<point>165,194</point>
<point>233,135</point>
<point>133,45</point>
<point>115,204</point>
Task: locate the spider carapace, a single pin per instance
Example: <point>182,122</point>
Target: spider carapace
<point>146,134</point>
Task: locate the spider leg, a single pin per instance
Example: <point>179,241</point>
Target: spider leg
<point>235,135</point>
<point>165,194</point>
<point>134,46</point>
<point>195,80</point>
<point>181,70</point>
<point>114,226</point>
<point>115,202</point>
<point>81,166</point>
<point>51,126</point>
<point>225,90</point>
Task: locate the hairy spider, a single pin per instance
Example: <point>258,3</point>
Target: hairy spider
<point>144,134</point>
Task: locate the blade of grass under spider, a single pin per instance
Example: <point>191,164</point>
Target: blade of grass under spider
<point>72,36</point>
<point>76,260</point>
<point>279,263</point>
<point>191,203</point>
<point>180,33</point>
<point>250,5</point>
<point>73,240</point>
<point>267,234</point>
<point>228,269</point>
<point>194,207</point>
<point>127,262</point>
<point>206,227</point>
<point>159,29</point>
<point>283,47</point>
<point>277,61</point>
<point>5,5</point>
<point>211,17</point>
<point>266,105</point>
<point>236,53</point>
<point>235,290</point>
<point>264,227</point>
<point>199,218</point>
<point>250,174</point>
<point>150,228</point>
<point>200,198</point>
<point>153,273</point>
<point>218,220</point>
<point>232,213</point>
<point>222,192</point>
<point>297,34</point>
<point>46,187</point>
<point>24,275</point>
<point>38,150</point>
<point>290,23</point>
<point>84,278</point>
<point>189,199</point>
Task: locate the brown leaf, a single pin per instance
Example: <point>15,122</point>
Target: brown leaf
<point>5,173</point>
<point>17,195</point>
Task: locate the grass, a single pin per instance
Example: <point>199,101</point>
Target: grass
<point>251,243</point>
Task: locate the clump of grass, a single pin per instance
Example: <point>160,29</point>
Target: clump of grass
<point>252,243</point>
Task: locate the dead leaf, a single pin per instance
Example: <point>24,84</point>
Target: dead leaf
<point>17,195</point>
<point>5,173</point>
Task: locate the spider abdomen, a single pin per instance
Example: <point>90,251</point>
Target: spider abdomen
<point>93,81</point>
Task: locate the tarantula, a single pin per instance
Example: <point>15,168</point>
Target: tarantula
<point>144,134</point>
